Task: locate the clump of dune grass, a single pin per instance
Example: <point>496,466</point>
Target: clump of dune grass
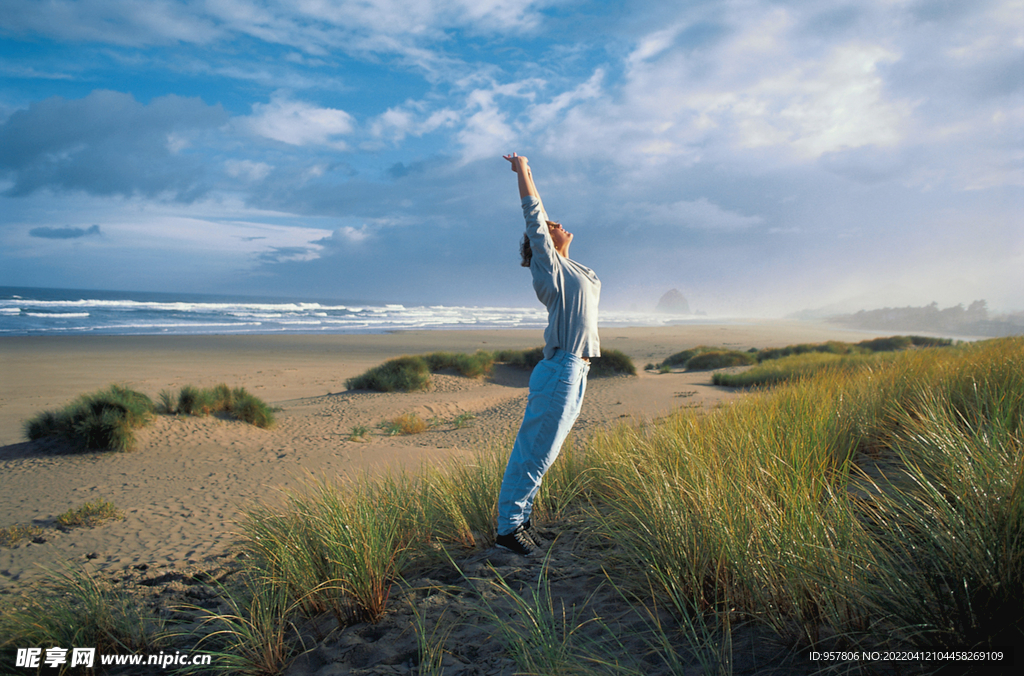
<point>73,608</point>
<point>409,374</point>
<point>336,550</point>
<point>777,365</point>
<point>748,507</point>
<point>412,373</point>
<point>758,512</point>
<point>896,343</point>
<point>796,367</point>
<point>430,642</point>
<point>951,531</point>
<point>104,420</point>
<point>718,359</point>
<point>90,514</point>
<point>236,402</point>
<point>258,635</point>
<point>680,359</point>
<point>407,423</point>
<point>11,536</point>
<point>107,420</point>
<point>525,359</point>
<point>471,365</point>
<point>462,420</point>
<point>612,363</point>
<point>540,633</point>
<point>705,358</point>
<point>829,347</point>
<point>404,374</point>
<point>167,402</point>
<point>251,409</point>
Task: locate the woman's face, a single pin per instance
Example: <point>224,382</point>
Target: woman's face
<point>560,237</point>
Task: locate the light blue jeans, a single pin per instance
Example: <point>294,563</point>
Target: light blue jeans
<point>556,395</point>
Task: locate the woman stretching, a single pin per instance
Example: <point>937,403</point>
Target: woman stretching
<point>570,292</point>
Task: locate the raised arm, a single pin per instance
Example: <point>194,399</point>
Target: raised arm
<point>521,166</point>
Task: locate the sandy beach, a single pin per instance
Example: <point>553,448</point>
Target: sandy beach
<point>183,485</point>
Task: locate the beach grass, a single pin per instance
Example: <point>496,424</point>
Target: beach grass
<point>757,512</point>
<point>104,420</point>
<point>612,363</point>
<point>470,365</point>
<point>679,359</point>
<point>358,433</point>
<point>92,513</point>
<point>11,536</point>
<point>541,634</point>
<point>407,423</point>
<point>75,608</point>
<point>704,357</point>
<point>107,420</point>
<point>875,507</point>
<point>463,420</point>
<point>718,359</point>
<point>236,402</point>
<point>402,374</point>
<point>797,366</point>
<point>412,373</point>
<point>525,359</point>
<point>255,636</point>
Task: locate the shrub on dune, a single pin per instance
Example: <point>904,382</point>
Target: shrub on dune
<point>612,363</point>
<point>470,365</point>
<point>404,374</point>
<point>679,359</point>
<point>526,359</point>
<point>718,359</point>
<point>236,402</point>
<point>795,367</point>
<point>251,409</point>
<point>830,347</point>
<point>104,420</point>
<point>107,420</point>
<point>191,400</point>
<point>407,423</point>
<point>91,513</point>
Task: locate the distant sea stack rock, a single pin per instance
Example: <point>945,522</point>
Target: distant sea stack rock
<point>673,302</point>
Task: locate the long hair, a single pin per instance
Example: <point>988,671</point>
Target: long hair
<point>525,251</point>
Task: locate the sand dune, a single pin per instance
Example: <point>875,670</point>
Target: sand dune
<point>182,487</point>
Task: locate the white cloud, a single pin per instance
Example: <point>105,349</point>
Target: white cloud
<point>351,234</point>
<point>819,107</point>
<point>411,118</point>
<point>254,171</point>
<point>755,88</point>
<point>119,22</point>
<point>487,130</point>
<point>699,214</point>
<point>300,124</point>
<point>542,115</point>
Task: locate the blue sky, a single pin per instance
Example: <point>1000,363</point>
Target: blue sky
<point>762,157</point>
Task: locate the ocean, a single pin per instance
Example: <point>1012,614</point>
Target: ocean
<point>33,311</point>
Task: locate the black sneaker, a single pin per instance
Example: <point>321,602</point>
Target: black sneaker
<point>534,534</point>
<point>518,541</point>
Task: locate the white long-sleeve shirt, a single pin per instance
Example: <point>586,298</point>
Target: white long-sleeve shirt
<point>569,290</point>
